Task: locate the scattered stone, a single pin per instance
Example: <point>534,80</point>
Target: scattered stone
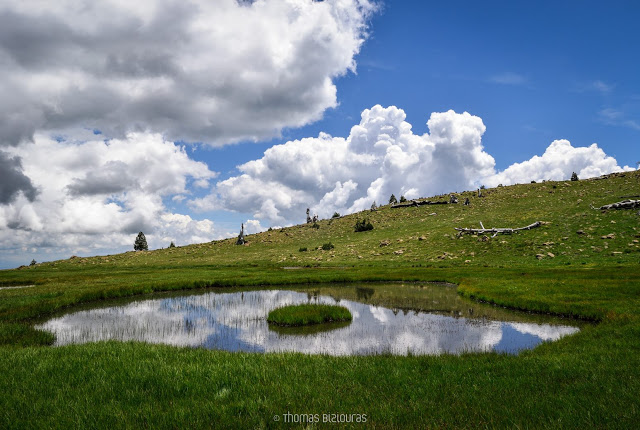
<point>398,252</point>
<point>483,239</point>
<point>616,253</point>
<point>399,240</point>
<point>547,244</point>
<point>580,232</point>
<point>551,254</point>
<point>384,243</point>
<point>425,238</point>
<point>539,256</point>
<point>467,261</point>
<point>608,236</point>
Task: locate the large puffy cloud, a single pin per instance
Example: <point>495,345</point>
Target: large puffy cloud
<point>96,195</point>
<point>382,156</point>
<point>199,70</point>
<point>557,163</point>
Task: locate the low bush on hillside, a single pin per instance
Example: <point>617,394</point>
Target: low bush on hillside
<point>363,225</point>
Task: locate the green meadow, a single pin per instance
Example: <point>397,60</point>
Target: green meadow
<point>580,263</point>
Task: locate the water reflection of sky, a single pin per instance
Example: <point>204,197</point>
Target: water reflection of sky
<point>237,322</point>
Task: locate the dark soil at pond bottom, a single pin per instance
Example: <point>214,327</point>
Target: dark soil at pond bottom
<point>383,322</point>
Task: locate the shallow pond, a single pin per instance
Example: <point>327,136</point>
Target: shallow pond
<point>396,319</point>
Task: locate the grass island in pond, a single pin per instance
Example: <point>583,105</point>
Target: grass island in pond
<point>308,314</point>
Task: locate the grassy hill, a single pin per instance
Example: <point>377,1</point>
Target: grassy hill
<point>580,262</point>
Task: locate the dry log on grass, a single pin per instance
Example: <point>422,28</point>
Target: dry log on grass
<point>413,203</point>
<point>625,204</point>
<point>495,231</point>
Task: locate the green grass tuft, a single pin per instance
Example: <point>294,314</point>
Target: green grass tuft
<point>307,314</point>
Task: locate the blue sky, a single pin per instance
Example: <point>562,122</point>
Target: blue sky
<point>542,83</point>
<point>533,73</point>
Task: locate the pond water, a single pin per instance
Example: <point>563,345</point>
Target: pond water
<point>235,320</point>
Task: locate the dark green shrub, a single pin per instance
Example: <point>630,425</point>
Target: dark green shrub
<point>363,225</point>
<point>327,246</point>
<point>302,249</point>
<point>393,200</point>
<point>402,199</point>
<point>336,215</point>
<point>315,225</point>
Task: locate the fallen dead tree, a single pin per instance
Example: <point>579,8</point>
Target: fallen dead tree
<point>625,204</point>
<point>495,231</point>
<point>452,200</point>
<point>413,203</point>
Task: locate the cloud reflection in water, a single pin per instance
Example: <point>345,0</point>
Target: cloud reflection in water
<point>237,322</point>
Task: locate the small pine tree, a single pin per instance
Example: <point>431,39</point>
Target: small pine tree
<point>402,199</point>
<point>33,262</point>
<point>393,200</point>
<point>336,215</point>
<point>172,245</point>
<point>141,243</point>
<point>574,176</point>
<point>374,206</point>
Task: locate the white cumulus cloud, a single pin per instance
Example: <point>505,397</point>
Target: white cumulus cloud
<point>557,163</point>
<point>380,156</point>
<point>98,194</point>
<point>199,70</point>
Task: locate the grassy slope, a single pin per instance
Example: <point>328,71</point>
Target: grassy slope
<point>586,380</point>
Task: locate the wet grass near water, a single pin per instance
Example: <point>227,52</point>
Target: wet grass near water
<point>308,314</point>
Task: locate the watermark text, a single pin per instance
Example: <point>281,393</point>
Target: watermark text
<point>325,418</point>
